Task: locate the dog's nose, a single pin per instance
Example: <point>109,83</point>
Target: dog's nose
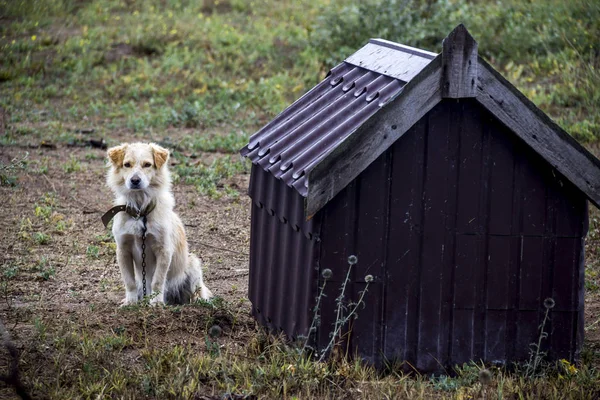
<point>135,181</point>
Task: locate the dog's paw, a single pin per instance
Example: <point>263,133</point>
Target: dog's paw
<point>128,302</point>
<point>157,302</point>
<point>205,293</point>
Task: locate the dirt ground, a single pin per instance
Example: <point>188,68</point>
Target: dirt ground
<point>217,230</point>
<point>82,286</point>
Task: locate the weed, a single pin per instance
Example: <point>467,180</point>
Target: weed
<point>41,238</point>
<point>445,383</point>
<point>92,156</point>
<point>9,271</point>
<point>209,180</point>
<point>341,320</point>
<point>61,225</point>
<point>40,329</point>
<point>72,165</point>
<point>536,355</point>
<point>93,252</point>
<point>7,171</point>
<point>212,346</point>
<point>45,270</point>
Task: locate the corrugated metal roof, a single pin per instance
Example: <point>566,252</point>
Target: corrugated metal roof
<point>298,138</point>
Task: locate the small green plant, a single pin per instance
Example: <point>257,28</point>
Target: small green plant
<point>43,211</point>
<point>41,238</point>
<point>40,329</point>
<point>212,345</point>
<point>72,165</point>
<point>209,179</point>
<point>93,252</point>
<point>92,156</point>
<point>7,171</point>
<point>45,270</point>
<point>10,271</point>
<point>61,225</point>
<point>445,383</point>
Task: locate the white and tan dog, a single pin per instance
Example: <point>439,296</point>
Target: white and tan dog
<point>139,178</point>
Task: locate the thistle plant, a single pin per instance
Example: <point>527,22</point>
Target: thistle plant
<point>536,355</point>
<point>316,321</point>
<point>341,320</point>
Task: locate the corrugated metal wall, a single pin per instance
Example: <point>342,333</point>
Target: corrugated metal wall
<point>283,254</point>
<point>466,231</point>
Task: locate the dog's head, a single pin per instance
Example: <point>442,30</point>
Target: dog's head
<point>137,166</point>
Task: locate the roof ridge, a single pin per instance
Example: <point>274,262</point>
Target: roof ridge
<point>402,47</point>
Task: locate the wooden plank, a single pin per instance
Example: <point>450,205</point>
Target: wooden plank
<point>403,255</point>
<point>437,166</point>
<point>566,274</point>
<point>459,64</point>
<point>495,335</point>
<point>469,170</point>
<point>366,327</point>
<point>462,336</point>
<point>453,118</point>
<point>372,219</point>
<point>561,341</point>
<point>532,262</point>
<point>368,142</point>
<point>397,62</point>
<point>533,190</point>
<point>527,333</point>
<point>499,259</point>
<point>500,186</point>
<point>571,209</point>
<point>534,127</point>
<point>467,264</point>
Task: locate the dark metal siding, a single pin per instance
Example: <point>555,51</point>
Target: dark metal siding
<point>466,231</point>
<point>283,253</point>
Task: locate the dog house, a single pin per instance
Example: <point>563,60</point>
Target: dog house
<point>462,199</point>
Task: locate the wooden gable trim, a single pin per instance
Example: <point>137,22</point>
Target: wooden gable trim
<point>536,129</point>
<point>459,64</point>
<point>357,151</point>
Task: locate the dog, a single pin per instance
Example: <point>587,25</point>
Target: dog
<point>139,177</point>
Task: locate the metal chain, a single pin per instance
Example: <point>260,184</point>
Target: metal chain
<point>144,255</point>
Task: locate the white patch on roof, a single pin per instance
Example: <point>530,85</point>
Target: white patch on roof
<point>391,59</point>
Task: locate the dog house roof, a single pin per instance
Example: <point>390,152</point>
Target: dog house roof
<point>298,138</point>
<point>325,139</point>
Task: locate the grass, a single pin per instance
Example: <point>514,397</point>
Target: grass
<point>8,171</point>
<point>199,77</point>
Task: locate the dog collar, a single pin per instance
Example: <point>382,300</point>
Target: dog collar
<point>129,209</point>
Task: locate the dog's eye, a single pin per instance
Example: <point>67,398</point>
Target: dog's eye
<point>127,165</point>
<point>147,165</point>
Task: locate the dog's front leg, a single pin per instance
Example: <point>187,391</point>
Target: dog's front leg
<point>159,280</point>
<point>125,260</point>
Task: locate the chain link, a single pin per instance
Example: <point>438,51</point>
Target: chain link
<point>144,255</point>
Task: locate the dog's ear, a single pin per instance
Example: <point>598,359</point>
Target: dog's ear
<point>117,154</point>
<point>161,155</point>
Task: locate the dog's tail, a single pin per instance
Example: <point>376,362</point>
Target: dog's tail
<point>187,290</point>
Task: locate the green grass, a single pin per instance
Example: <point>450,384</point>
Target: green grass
<point>549,49</point>
<point>116,359</point>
